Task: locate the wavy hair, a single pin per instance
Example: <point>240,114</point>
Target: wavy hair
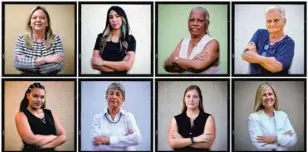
<point>49,36</point>
<point>259,93</point>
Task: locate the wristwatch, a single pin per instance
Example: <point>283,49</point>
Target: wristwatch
<point>192,139</point>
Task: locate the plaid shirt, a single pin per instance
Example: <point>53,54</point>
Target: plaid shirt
<point>24,57</point>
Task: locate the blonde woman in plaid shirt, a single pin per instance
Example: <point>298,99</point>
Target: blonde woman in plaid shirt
<point>39,51</point>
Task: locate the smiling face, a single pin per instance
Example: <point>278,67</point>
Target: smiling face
<point>268,98</point>
<point>115,20</point>
<point>192,99</point>
<point>114,98</point>
<point>36,98</point>
<point>274,21</point>
<point>197,22</point>
<point>39,20</point>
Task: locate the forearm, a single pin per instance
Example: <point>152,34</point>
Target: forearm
<point>25,64</point>
<point>56,58</point>
<point>180,142</point>
<point>287,140</point>
<point>190,65</point>
<point>270,64</point>
<point>39,140</point>
<point>124,141</point>
<point>117,65</point>
<point>56,142</point>
<point>201,145</point>
<point>51,68</point>
<point>102,68</point>
<point>251,57</point>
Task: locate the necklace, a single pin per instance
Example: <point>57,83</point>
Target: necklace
<point>114,122</point>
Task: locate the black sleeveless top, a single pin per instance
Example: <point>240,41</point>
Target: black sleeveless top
<point>186,130</point>
<point>45,126</point>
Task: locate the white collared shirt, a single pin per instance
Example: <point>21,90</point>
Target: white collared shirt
<point>117,130</point>
<point>260,124</point>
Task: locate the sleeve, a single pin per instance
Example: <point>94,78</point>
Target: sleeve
<point>286,140</point>
<point>95,131</point>
<point>134,138</point>
<point>97,42</point>
<point>256,36</point>
<point>23,61</point>
<point>54,67</point>
<point>132,44</point>
<point>285,54</point>
<point>254,130</point>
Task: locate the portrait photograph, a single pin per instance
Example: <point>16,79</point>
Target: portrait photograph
<point>192,39</point>
<point>39,115</point>
<point>115,115</point>
<point>269,39</point>
<point>39,39</point>
<point>192,115</point>
<point>269,115</point>
<point>115,39</point>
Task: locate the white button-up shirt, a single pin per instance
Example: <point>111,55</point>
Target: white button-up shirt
<point>260,124</point>
<point>123,131</point>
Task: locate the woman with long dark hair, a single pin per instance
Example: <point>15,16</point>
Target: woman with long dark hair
<point>114,50</point>
<point>38,127</point>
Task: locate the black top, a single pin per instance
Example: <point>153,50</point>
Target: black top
<point>186,130</point>
<point>113,52</point>
<point>45,126</point>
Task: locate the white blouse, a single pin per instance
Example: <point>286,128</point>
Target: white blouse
<point>117,130</point>
<point>260,124</point>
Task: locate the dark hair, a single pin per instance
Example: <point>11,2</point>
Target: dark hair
<point>124,35</point>
<point>25,102</point>
<point>193,87</point>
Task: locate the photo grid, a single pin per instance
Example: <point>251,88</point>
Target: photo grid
<point>153,76</point>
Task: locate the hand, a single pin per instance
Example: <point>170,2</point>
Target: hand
<point>39,61</point>
<point>251,46</point>
<point>267,139</point>
<point>175,135</point>
<point>203,138</point>
<point>101,140</point>
<point>289,133</point>
<point>129,132</point>
<point>97,61</point>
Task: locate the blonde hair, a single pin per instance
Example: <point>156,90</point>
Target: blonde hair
<point>49,36</point>
<point>259,93</point>
<point>278,9</point>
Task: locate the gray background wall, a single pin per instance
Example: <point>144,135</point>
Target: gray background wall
<point>215,102</point>
<point>291,100</point>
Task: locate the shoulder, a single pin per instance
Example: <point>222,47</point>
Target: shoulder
<point>21,38</point>
<point>129,115</point>
<point>131,39</point>
<point>255,115</point>
<point>100,35</point>
<point>261,33</point>
<point>289,41</point>
<point>98,116</point>
<point>179,115</point>
<point>20,116</point>
<point>281,114</point>
<point>47,111</point>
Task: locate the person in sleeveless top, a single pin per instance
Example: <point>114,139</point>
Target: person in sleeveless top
<point>114,50</point>
<point>270,51</point>
<point>39,51</point>
<point>193,130</point>
<point>39,128</point>
<point>115,129</point>
<point>197,53</point>
<point>269,128</point>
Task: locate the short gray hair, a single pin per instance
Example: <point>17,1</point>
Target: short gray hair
<point>206,13</point>
<point>116,85</point>
<point>278,9</point>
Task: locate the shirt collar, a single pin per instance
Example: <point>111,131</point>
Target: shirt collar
<point>121,111</point>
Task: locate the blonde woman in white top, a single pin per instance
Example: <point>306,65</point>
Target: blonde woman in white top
<point>270,129</point>
<point>115,129</point>
<point>197,53</point>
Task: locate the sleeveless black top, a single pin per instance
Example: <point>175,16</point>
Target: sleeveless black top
<point>45,126</point>
<point>186,130</point>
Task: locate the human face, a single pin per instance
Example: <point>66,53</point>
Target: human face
<point>36,98</point>
<point>192,99</point>
<point>114,98</point>
<point>115,20</point>
<point>268,98</point>
<point>39,20</point>
<point>274,22</point>
<point>196,23</point>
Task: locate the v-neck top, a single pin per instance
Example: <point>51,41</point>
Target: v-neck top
<point>44,126</point>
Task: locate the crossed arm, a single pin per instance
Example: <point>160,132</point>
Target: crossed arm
<point>101,142</point>
<point>205,140</point>
<point>269,63</point>
<point>100,64</point>
<point>41,141</point>
<point>199,63</point>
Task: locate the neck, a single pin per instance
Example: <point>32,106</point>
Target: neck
<point>38,35</point>
<point>277,36</point>
<point>269,111</point>
<point>33,110</point>
<point>196,38</point>
<point>116,32</point>
<point>113,111</point>
<point>192,113</point>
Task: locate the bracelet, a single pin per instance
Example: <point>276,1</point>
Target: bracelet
<point>192,139</point>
